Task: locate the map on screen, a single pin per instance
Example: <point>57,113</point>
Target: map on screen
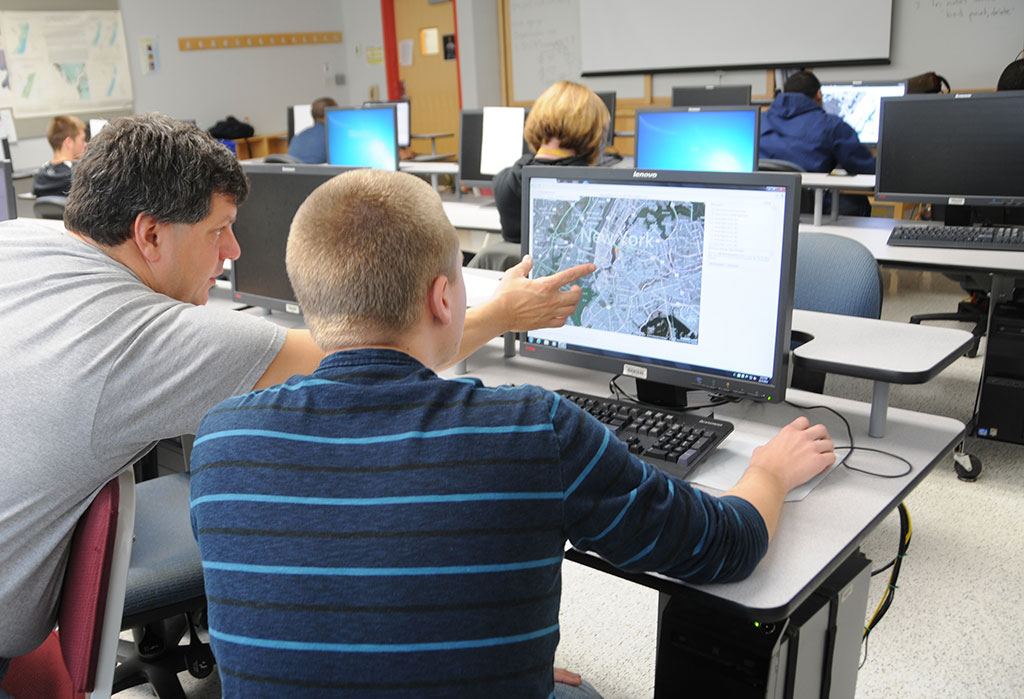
<point>649,255</point>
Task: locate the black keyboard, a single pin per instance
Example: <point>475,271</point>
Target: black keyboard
<point>965,237</point>
<point>673,441</point>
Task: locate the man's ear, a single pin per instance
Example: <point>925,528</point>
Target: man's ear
<point>439,301</point>
<point>148,235</point>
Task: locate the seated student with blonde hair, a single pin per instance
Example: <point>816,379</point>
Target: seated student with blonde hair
<point>566,126</point>
<point>373,529</point>
<point>66,135</point>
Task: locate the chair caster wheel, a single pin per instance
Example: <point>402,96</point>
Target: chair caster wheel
<point>967,467</point>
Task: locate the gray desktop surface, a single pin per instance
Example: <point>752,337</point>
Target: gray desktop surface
<point>815,535</point>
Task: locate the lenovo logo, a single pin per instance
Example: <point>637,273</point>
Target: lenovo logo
<point>644,175</point>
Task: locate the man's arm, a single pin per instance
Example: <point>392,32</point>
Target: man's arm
<point>796,454</point>
<point>298,355</point>
<point>522,304</point>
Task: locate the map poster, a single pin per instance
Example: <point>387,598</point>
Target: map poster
<point>65,62</point>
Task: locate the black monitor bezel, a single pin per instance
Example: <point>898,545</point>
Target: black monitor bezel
<point>610,137</point>
<point>866,83</point>
<point>686,378</point>
<point>291,119</point>
<point>12,200</point>
<point>748,108</point>
<point>482,183</point>
<point>720,90</point>
<point>949,198</point>
<point>384,103</point>
<point>327,131</point>
<point>285,169</point>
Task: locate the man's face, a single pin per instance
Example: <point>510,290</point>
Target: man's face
<point>195,253</point>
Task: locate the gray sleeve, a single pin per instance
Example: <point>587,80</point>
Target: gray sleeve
<point>180,363</point>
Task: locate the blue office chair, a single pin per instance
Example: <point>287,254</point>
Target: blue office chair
<point>834,275</point>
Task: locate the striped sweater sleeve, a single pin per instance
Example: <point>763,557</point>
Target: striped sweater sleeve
<point>639,518</point>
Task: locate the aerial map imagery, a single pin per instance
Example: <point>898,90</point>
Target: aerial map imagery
<point>648,254</point>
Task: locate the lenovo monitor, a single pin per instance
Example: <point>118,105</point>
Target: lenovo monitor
<point>402,114</point>
<point>963,149</point>
<point>694,280</point>
<point>471,138</point>
<point>363,137</point>
<point>859,104</point>
<point>718,139</point>
<point>711,96</point>
<point>259,277</point>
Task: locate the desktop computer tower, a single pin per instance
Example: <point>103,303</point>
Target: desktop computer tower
<point>1000,414</point>
<point>814,653</point>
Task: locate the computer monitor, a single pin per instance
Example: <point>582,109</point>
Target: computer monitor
<point>93,127</point>
<point>694,280</point>
<point>964,149</point>
<point>300,118</point>
<point>402,114</point>
<point>259,276</point>
<point>859,104</point>
<point>6,148</point>
<point>609,101</point>
<point>711,96</point>
<point>363,137</point>
<point>502,134</point>
<point>471,137</point>
<point>719,139</point>
<point>8,201</point>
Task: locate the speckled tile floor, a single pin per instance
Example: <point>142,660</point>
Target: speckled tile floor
<point>952,630</point>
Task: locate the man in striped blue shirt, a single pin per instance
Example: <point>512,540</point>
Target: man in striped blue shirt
<point>374,530</point>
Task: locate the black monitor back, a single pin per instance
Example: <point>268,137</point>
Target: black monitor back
<point>711,96</point>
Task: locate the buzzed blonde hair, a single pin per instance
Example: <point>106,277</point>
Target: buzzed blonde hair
<point>362,252</point>
<point>61,127</point>
<point>574,115</point>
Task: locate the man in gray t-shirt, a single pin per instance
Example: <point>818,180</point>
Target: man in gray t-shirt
<point>107,347</point>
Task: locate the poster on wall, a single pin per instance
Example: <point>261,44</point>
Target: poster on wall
<point>65,62</point>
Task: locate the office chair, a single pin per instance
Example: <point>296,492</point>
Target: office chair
<point>971,310</point>
<point>281,158</point>
<point>50,207</point>
<point>497,255</point>
<point>79,659</point>
<point>833,275</point>
<point>164,595</point>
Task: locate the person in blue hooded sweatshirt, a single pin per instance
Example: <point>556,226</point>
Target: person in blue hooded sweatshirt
<point>797,129</point>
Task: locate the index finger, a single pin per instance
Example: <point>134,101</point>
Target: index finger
<point>568,276</point>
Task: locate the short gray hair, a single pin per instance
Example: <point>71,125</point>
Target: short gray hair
<point>150,164</point>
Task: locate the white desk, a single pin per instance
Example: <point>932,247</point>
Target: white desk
<point>815,535</point>
<point>820,181</point>
<point>432,168</point>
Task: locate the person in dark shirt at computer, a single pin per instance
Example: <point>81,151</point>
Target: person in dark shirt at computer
<point>797,129</point>
<point>374,529</point>
<point>310,146</point>
<point>1012,77</point>
<point>66,135</point>
<point>566,126</point>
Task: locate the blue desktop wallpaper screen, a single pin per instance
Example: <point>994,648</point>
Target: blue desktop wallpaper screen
<point>710,141</point>
<point>362,138</point>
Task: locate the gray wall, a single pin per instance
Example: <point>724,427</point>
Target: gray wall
<point>254,84</point>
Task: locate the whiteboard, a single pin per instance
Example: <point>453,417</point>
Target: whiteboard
<point>545,40</point>
<point>662,35</point>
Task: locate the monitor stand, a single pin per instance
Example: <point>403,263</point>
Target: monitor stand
<point>662,394</point>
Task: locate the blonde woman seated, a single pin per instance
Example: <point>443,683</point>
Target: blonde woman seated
<point>566,126</point>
